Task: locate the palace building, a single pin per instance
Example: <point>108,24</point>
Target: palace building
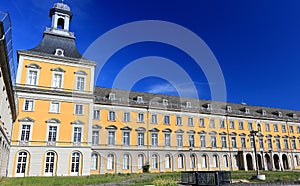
<point>67,126</point>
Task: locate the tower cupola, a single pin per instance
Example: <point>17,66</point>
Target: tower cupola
<point>61,16</point>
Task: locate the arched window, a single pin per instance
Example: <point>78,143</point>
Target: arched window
<point>110,162</point>
<point>126,161</point>
<point>204,161</point>
<point>21,163</point>
<point>140,161</point>
<point>168,161</point>
<point>296,160</point>
<point>154,161</point>
<point>49,163</point>
<point>193,161</point>
<point>75,163</point>
<point>180,161</point>
<point>225,157</point>
<point>235,163</point>
<point>94,161</point>
<point>216,161</point>
<point>60,23</point>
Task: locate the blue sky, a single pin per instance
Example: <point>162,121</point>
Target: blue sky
<point>256,43</point>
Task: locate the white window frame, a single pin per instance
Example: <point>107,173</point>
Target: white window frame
<point>154,139</point>
<point>48,132</point>
<point>32,106</point>
<point>154,161</point>
<point>167,120</point>
<point>53,84</point>
<point>141,118</point>
<point>49,163</point>
<point>178,120</point>
<point>126,162</point>
<point>154,118</point>
<point>75,165</point>
<point>77,110</point>
<point>81,135</point>
<point>126,116</point>
<point>94,161</point>
<point>109,139</point>
<point>126,139</point>
<point>167,137</point>
<point>23,169</point>
<point>111,115</point>
<point>96,114</point>
<point>179,141</point>
<point>140,161</point>
<point>51,109</point>
<point>80,87</point>
<point>139,140</point>
<point>96,137</point>
<point>110,164</point>
<point>190,121</point>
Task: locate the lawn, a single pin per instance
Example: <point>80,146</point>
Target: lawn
<point>160,179</point>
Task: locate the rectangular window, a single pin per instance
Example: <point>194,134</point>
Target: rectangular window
<point>178,120</point>
<point>201,122</point>
<point>269,141</point>
<point>25,133</point>
<point>77,135</point>
<point>126,117</point>
<point>80,83</point>
<point>32,77</point>
<point>54,107</point>
<point>78,109</point>
<point>286,144</point>
<point>95,138</point>
<point>283,128</point>
<point>96,114</point>
<point>213,141</point>
<point>154,118</point>
<point>233,141</point>
<point>223,141</point>
<point>294,144</point>
<point>141,117</point>
<point>267,127</point>
<point>52,133</point>
<point>57,81</point>
<point>232,124</point>
<point>167,139</point>
<point>111,116</point>
<point>190,121</point>
<point>278,146</point>
<point>275,128</point>
<point>28,105</point>
<point>154,139</point>
<point>141,139</point>
<point>241,125</point>
<point>179,140</point>
<point>250,126</point>
<point>222,124</point>
<point>111,137</point>
<point>243,142</point>
<point>212,123</point>
<point>202,141</point>
<point>126,138</point>
<point>291,129</point>
<point>261,143</point>
<point>191,140</point>
<point>298,129</point>
<point>167,120</point>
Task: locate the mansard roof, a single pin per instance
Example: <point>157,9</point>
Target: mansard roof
<point>51,42</point>
<point>175,103</point>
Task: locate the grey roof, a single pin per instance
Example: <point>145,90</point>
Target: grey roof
<point>51,42</point>
<point>129,98</point>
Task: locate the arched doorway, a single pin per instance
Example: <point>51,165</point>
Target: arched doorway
<point>285,162</point>
<point>249,162</point>
<point>276,161</point>
<point>268,162</point>
<point>259,160</point>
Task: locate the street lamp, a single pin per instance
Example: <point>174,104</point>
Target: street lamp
<point>254,133</point>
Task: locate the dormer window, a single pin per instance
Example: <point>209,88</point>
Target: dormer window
<point>59,52</point>
<point>165,102</point>
<point>139,99</point>
<point>209,107</point>
<point>280,114</point>
<point>188,104</point>
<point>228,108</point>
<point>294,116</point>
<point>263,112</point>
<point>112,96</point>
<point>247,111</point>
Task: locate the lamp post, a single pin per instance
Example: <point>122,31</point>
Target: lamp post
<point>254,133</point>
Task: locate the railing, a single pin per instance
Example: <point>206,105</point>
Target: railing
<point>206,178</point>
